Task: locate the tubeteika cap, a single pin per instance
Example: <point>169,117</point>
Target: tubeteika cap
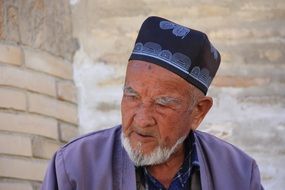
<point>181,50</point>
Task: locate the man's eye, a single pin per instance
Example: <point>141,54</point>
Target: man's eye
<point>162,105</point>
<point>166,102</point>
<point>131,96</point>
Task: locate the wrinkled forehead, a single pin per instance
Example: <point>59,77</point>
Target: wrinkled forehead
<point>145,74</point>
<point>146,69</point>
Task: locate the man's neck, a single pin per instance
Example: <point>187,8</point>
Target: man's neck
<point>165,172</point>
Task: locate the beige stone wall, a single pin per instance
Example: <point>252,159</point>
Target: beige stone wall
<point>38,104</point>
<point>249,95</point>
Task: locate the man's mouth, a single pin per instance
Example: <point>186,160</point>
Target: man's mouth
<point>142,137</point>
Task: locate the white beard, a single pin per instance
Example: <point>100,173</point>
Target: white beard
<point>157,156</point>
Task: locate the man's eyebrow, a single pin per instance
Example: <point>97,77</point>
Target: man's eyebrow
<point>130,90</point>
<point>166,100</point>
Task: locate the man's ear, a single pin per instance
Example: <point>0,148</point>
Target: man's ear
<point>200,110</point>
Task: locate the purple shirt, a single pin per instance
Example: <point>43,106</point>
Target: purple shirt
<point>98,161</point>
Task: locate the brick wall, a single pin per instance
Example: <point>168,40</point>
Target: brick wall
<point>38,104</point>
<point>38,112</point>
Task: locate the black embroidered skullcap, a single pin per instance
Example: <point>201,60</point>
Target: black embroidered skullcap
<point>181,50</point>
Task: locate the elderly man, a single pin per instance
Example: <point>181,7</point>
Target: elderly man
<point>157,146</point>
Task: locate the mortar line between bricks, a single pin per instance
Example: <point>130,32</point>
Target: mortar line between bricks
<point>23,158</point>
<point>36,92</point>
<point>17,180</point>
<point>27,101</point>
<point>52,117</point>
<point>29,91</point>
<point>55,76</point>
<point>10,110</point>
<point>28,135</point>
<point>39,50</point>
<point>57,83</point>
<point>23,68</point>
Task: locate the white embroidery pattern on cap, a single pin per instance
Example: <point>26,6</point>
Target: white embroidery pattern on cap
<point>177,29</point>
<point>177,60</point>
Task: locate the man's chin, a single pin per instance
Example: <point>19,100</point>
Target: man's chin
<point>157,156</point>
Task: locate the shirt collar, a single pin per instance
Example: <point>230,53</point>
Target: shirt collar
<point>182,177</point>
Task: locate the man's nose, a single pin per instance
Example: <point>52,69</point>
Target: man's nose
<point>144,116</point>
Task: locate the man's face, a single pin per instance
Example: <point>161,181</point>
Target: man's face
<point>156,107</point>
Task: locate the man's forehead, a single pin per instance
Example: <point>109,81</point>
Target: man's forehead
<point>137,64</point>
<point>144,68</point>
<point>141,64</point>
<point>141,74</point>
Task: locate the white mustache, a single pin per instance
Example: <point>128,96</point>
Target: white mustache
<point>143,132</point>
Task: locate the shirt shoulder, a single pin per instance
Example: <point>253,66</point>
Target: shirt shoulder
<point>216,145</point>
<point>92,147</point>
<point>101,136</point>
<point>232,167</point>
